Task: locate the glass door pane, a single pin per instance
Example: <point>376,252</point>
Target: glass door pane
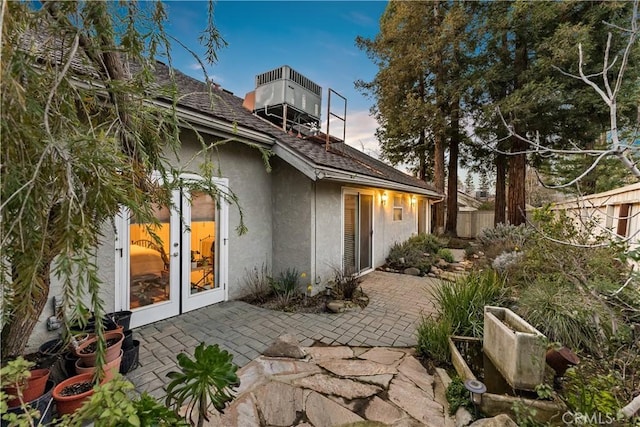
<point>149,261</point>
<point>366,228</point>
<point>203,244</point>
<point>350,232</point>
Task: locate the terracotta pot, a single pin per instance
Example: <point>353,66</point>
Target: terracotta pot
<point>42,404</point>
<point>68,404</point>
<point>112,352</point>
<point>561,359</point>
<point>33,389</point>
<point>110,369</point>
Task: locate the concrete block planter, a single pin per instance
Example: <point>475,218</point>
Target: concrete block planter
<point>516,348</point>
<point>493,404</point>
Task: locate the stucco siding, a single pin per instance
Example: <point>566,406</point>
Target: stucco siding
<point>328,226</point>
<point>391,231</point>
<point>292,204</point>
<point>251,184</point>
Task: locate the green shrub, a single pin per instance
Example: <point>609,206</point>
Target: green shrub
<point>458,243</point>
<point>590,393</point>
<point>556,310</point>
<point>427,243</point>
<point>416,252</point>
<point>446,255</point>
<point>345,284</point>
<point>287,282</point>
<point>504,238</point>
<point>462,303</point>
<point>433,341</point>
<point>202,382</point>
<point>460,312</point>
<point>458,396</point>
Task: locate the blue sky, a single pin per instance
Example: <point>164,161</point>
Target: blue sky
<point>316,38</point>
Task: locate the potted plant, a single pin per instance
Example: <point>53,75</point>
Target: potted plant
<point>87,350</point>
<point>24,387</point>
<point>202,382</point>
<point>71,393</point>
<point>110,368</point>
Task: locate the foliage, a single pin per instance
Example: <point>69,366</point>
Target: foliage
<point>257,284</point>
<point>432,335</point>
<point>460,312</point>
<point>14,373</point>
<point>462,302</point>
<point>202,382</point>
<point>115,403</point>
<point>458,395</point>
<point>345,284</point>
<point>591,393</point>
<point>446,255</point>
<point>417,251</point>
<point>506,261</point>
<point>457,243</point>
<point>93,147</point>
<point>286,286</point>
<point>525,415</point>
<point>505,235</point>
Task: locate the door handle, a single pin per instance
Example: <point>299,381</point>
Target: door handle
<point>175,254</point>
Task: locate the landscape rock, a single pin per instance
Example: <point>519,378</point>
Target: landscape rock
<point>324,353</point>
<point>442,263</point>
<point>337,306</point>
<point>346,388</point>
<point>384,412</point>
<point>412,369</point>
<point>242,412</point>
<point>382,380</point>
<point>277,403</point>
<point>416,402</point>
<point>286,367</point>
<point>323,412</point>
<point>382,355</point>
<point>501,420</point>
<point>463,417</point>
<point>412,271</point>
<point>354,368</point>
<point>285,346</point>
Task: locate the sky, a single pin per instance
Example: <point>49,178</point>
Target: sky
<point>315,38</point>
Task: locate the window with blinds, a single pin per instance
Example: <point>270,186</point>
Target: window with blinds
<point>350,231</point>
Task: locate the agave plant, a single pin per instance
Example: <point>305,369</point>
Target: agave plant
<point>203,381</point>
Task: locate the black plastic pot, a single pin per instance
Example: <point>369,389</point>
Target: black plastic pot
<point>128,340</point>
<point>44,404</point>
<point>70,363</point>
<point>122,318</point>
<point>130,358</point>
<point>90,327</point>
<point>49,353</point>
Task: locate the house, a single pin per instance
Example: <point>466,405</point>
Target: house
<point>615,212</point>
<point>323,206</point>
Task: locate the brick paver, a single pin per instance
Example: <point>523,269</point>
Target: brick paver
<point>397,303</point>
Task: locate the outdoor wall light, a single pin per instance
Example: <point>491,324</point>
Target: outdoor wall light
<point>477,389</point>
<point>383,198</point>
<point>413,200</point>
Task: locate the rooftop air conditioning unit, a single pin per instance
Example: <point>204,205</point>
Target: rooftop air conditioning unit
<point>285,93</point>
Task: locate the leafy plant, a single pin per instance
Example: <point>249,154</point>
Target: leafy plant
<point>506,261</point>
<point>589,393</point>
<point>114,404</point>
<point>433,335</point>
<point>204,381</point>
<point>525,415</point>
<point>257,284</point>
<point>460,312</point>
<point>417,252</point>
<point>286,283</point>
<point>446,255</point>
<point>345,284</point>
<point>458,396</point>
<point>504,238</point>
<point>15,373</point>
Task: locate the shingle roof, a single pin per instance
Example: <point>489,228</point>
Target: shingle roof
<point>226,106</point>
<point>196,95</point>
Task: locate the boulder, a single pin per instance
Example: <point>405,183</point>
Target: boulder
<point>463,417</point>
<point>285,346</point>
<point>501,420</point>
<point>412,271</point>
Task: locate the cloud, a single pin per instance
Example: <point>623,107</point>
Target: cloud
<point>360,19</point>
<point>360,132</point>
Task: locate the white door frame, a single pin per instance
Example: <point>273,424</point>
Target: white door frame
<point>358,192</point>
<point>180,264</point>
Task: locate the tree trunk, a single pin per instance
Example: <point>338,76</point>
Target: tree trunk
<point>16,332</point>
<point>518,162</point>
<point>438,181</point>
<point>452,184</point>
<point>422,155</point>
<point>517,178</point>
<point>501,190</point>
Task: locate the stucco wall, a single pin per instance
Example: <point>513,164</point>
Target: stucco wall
<point>105,261</point>
<point>251,183</point>
<point>292,199</point>
<point>388,230</point>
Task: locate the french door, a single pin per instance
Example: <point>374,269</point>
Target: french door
<point>176,266</point>
<point>357,220</point>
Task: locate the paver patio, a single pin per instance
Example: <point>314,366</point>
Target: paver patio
<point>396,305</point>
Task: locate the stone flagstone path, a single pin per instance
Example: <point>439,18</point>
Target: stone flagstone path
<point>335,386</point>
